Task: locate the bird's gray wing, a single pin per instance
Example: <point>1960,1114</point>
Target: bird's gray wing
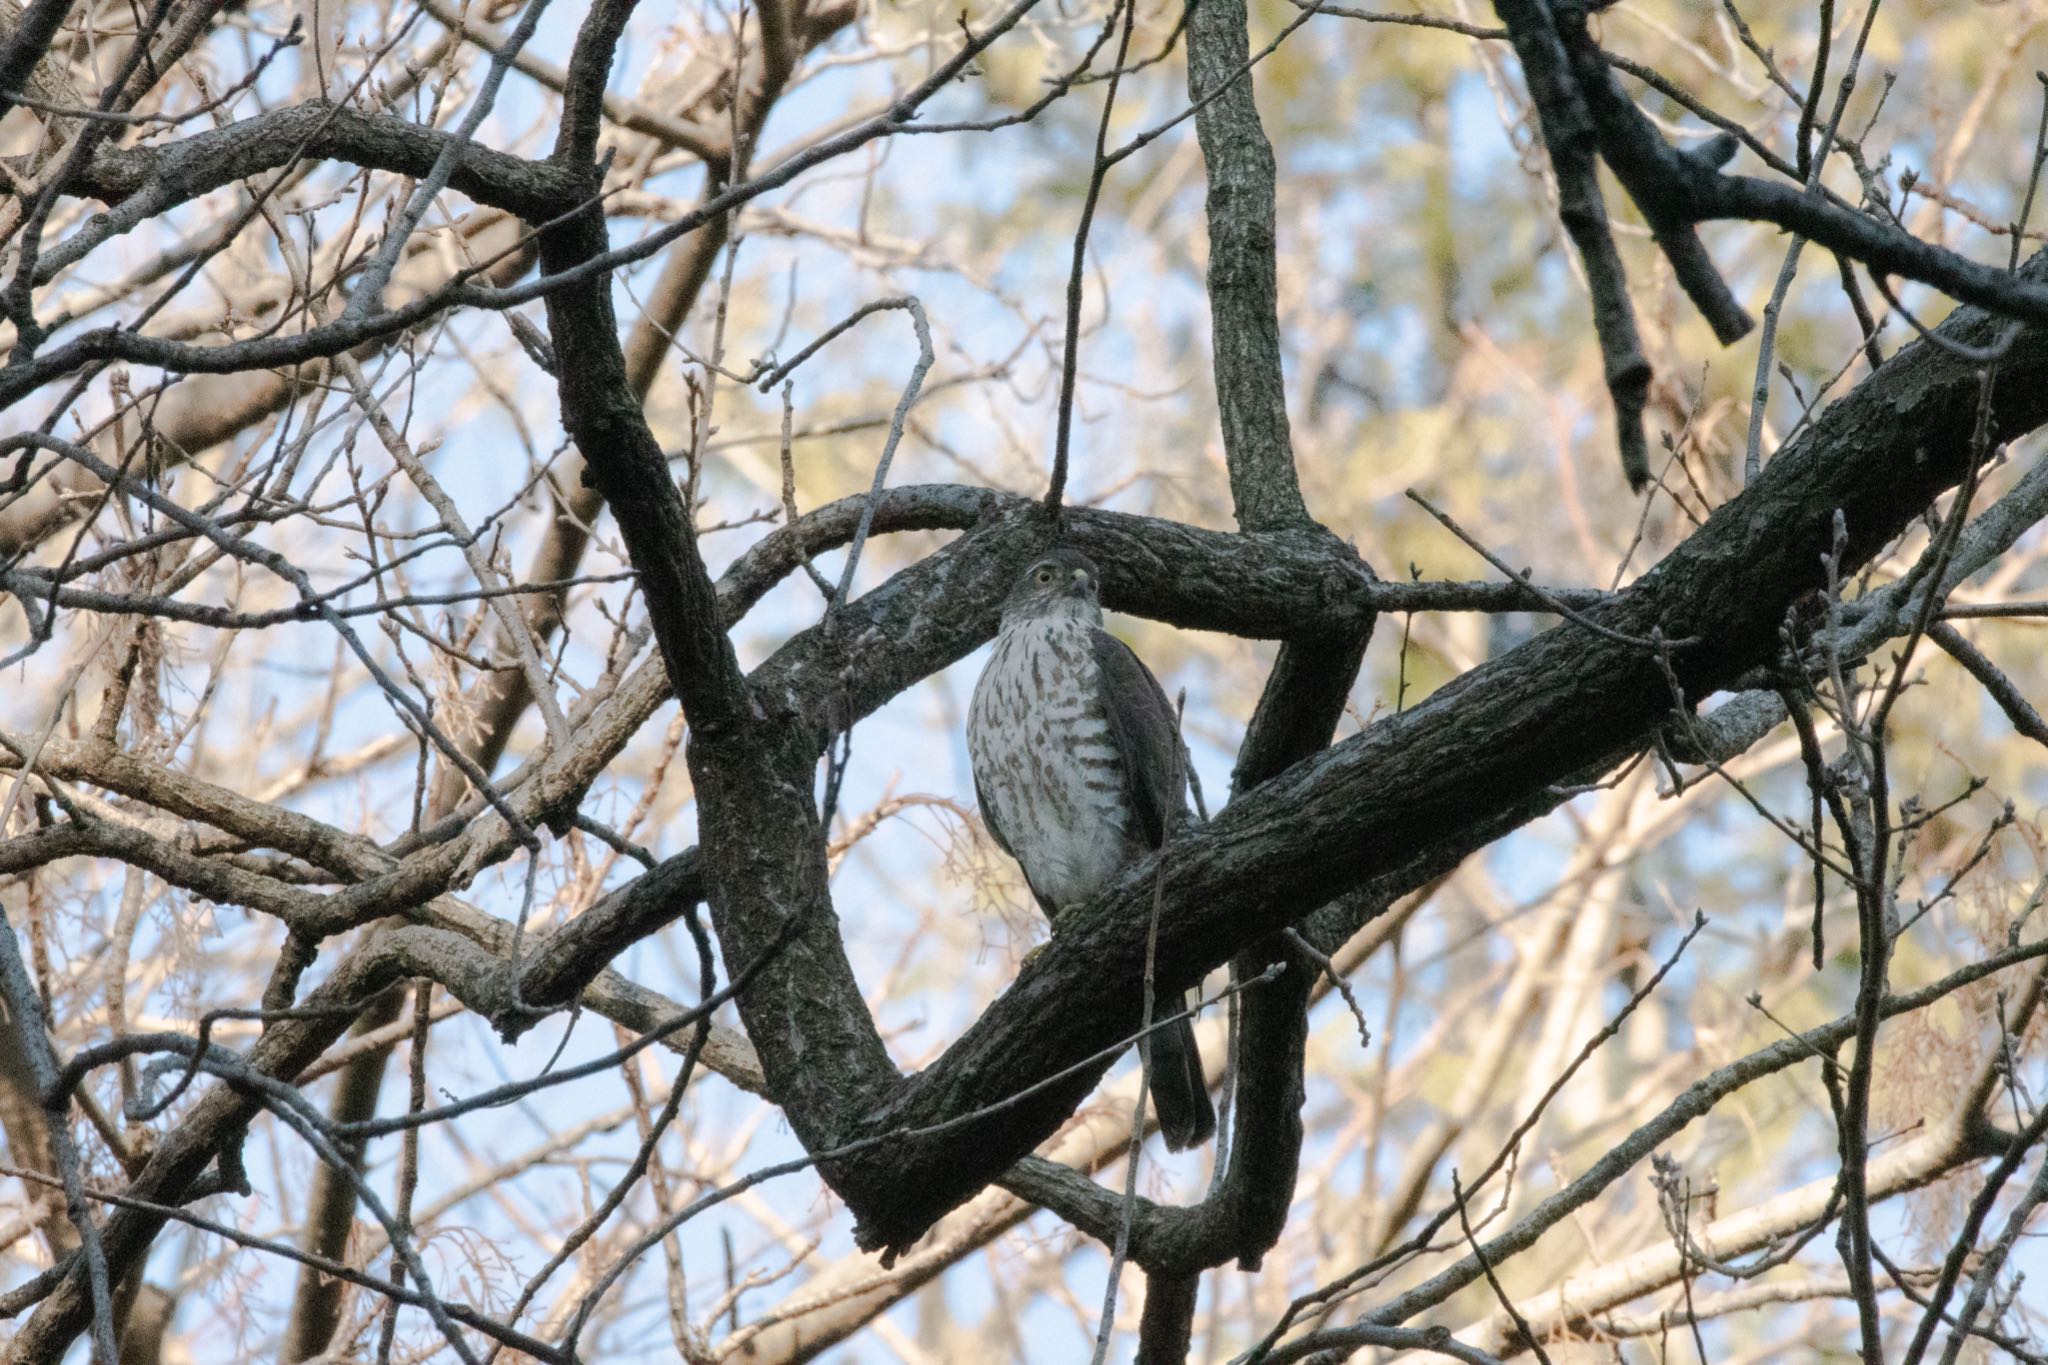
<point>988,818</point>
<point>995,832</point>
<point>1142,729</point>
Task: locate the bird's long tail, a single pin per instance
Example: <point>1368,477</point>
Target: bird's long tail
<point>1179,1091</point>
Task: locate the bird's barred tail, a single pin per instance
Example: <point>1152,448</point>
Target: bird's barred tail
<point>1180,1093</point>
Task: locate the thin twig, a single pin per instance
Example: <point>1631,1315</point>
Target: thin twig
<point>1071,349</point>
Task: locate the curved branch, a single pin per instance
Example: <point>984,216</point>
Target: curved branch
<point>141,183</point>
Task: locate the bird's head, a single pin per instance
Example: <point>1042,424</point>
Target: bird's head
<point>1057,586</point>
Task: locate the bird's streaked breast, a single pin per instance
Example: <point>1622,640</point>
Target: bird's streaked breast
<point>1045,762</point>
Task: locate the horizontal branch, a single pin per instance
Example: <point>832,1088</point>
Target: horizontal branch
<point>141,183</point>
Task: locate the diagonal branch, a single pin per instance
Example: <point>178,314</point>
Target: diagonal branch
<point>1501,736</point>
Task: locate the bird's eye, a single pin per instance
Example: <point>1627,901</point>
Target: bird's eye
<point>1043,575</point>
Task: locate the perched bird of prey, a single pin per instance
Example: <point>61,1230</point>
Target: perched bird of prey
<point>1079,771</point>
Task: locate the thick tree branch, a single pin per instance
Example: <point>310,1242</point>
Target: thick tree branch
<point>1166,1328</point>
<point>142,183</point>
<point>650,344</point>
<point>1244,323</point>
<point>1623,133</point>
<point>751,765</point>
<point>1500,736</point>
<point>23,45</point>
<point>624,462</point>
<point>1304,697</point>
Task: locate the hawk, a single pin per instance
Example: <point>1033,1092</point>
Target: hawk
<point>1079,771</point>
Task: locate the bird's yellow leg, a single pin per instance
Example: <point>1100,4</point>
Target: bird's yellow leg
<point>1033,955</point>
